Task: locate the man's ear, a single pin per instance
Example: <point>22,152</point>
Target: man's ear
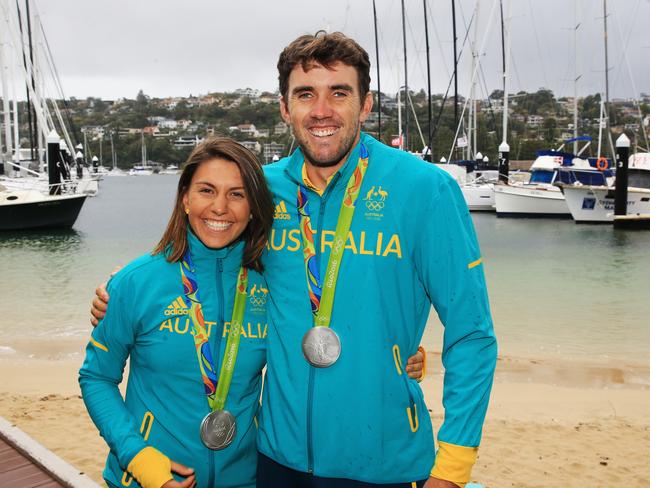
<point>284,111</point>
<point>366,107</point>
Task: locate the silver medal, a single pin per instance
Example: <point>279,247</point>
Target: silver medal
<point>218,429</point>
<point>321,347</point>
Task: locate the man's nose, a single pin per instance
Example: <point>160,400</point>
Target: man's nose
<point>322,108</point>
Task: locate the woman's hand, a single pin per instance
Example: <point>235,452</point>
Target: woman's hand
<point>99,304</point>
<point>189,482</point>
<point>416,365</point>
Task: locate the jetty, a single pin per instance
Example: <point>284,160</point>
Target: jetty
<point>24,463</point>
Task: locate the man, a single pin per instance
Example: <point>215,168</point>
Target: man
<point>411,243</point>
<point>365,239</point>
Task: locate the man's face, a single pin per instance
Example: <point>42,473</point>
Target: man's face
<point>325,110</point>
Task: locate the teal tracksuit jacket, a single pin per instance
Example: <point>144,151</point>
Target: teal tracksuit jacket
<point>411,245</point>
<point>147,321</point>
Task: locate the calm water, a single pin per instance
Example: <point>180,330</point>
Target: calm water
<point>556,288</point>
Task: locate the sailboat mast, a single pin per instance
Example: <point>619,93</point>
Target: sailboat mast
<point>28,99</point>
<point>426,36</point>
<point>374,13</point>
<point>399,119</point>
<point>453,21</point>
<point>406,82</point>
<point>113,158</point>
<point>607,105</point>
<point>504,54</point>
<point>575,76</point>
<point>6,109</point>
<point>34,135</point>
<point>472,132</point>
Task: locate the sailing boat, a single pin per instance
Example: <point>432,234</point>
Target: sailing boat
<point>542,196</point>
<point>142,169</point>
<point>33,203</point>
<point>30,208</point>
<point>594,203</point>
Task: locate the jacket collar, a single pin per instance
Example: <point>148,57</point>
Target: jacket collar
<point>297,160</point>
<point>201,254</point>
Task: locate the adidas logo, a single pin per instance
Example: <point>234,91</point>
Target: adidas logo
<point>281,211</point>
<point>177,307</point>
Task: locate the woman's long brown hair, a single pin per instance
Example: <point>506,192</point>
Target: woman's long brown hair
<point>174,241</point>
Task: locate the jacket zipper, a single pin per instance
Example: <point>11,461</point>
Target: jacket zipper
<point>312,371</point>
<point>216,352</point>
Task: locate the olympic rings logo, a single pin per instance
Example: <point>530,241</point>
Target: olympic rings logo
<point>338,244</point>
<point>374,205</point>
<point>257,301</point>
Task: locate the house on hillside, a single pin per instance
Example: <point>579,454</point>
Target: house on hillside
<point>252,146</point>
<point>280,129</point>
<point>271,150</point>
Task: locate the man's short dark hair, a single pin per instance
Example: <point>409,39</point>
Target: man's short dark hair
<point>325,49</point>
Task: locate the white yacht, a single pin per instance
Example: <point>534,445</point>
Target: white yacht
<point>595,203</point>
<point>171,169</point>
<point>141,170</point>
<point>477,185</point>
<point>541,196</point>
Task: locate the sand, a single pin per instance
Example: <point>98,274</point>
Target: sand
<point>550,423</point>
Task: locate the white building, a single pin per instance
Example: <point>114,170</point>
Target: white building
<point>280,128</point>
<point>272,149</point>
<point>252,146</point>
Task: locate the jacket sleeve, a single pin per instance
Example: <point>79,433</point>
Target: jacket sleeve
<point>102,370</point>
<point>450,266</point>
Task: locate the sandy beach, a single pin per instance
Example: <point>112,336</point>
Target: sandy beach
<point>550,423</point>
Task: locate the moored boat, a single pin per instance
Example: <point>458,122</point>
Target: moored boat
<point>541,196</point>
<point>595,203</point>
<point>22,209</point>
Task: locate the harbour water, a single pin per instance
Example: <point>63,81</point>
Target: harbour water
<point>556,288</point>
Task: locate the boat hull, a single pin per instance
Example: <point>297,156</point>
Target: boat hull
<point>479,198</point>
<point>595,204</point>
<point>46,212</point>
<point>523,202</point>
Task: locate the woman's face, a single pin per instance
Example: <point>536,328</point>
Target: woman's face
<point>217,203</point>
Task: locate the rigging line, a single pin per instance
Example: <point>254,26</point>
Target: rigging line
<point>483,43</point>
<point>435,30</point>
<point>418,58</point>
<point>415,116</point>
<point>451,80</point>
<point>634,88</point>
<point>514,67</point>
<point>539,48</point>
<point>374,12</point>
<point>625,43</point>
<point>489,100</point>
<point>57,81</point>
<point>29,74</point>
<point>392,57</point>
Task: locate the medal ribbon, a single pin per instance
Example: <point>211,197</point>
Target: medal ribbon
<point>321,294</point>
<point>215,389</point>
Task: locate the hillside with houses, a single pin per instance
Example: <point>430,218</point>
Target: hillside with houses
<point>171,127</point>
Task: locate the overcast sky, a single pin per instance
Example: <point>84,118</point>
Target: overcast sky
<point>114,48</point>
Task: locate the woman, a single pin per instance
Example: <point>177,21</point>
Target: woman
<point>222,214</point>
<point>181,357</point>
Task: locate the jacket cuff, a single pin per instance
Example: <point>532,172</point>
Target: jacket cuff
<point>454,463</point>
<point>151,468</point>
